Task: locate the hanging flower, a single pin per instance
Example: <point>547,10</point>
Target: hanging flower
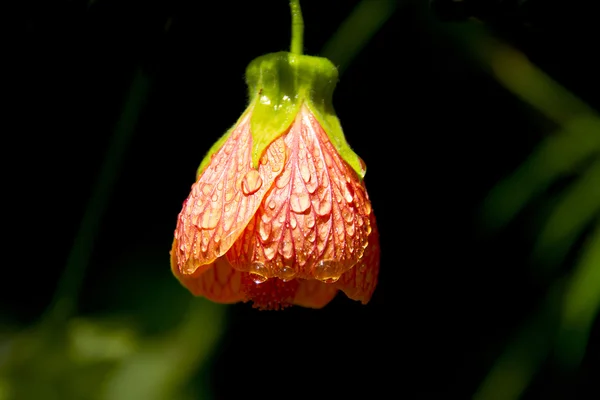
<point>279,213</point>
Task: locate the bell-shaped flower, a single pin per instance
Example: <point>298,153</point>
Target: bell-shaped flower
<point>279,213</point>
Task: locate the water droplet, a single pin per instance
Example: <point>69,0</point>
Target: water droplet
<point>363,166</point>
<point>293,222</point>
<point>299,202</point>
<point>328,160</point>
<point>360,251</point>
<point>207,189</point>
<point>348,215</point>
<point>269,250</point>
<point>220,185</point>
<point>283,179</point>
<point>264,230</point>
<point>309,220</point>
<point>324,208</point>
<point>258,272</point>
<point>215,197</point>
<point>350,229</point>
<point>210,218</point>
<point>265,100</point>
<point>367,207</point>
<point>204,243</point>
<point>272,204</point>
<point>266,218</point>
<point>328,271</point>
<point>286,273</point>
<point>319,164</point>
<point>287,249</point>
<point>251,182</point>
<point>305,172</point>
<point>348,193</point>
<point>359,220</point>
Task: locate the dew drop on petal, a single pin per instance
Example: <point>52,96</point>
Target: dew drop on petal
<point>264,230</point>
<point>363,166</point>
<point>328,271</point>
<point>359,220</point>
<point>287,249</point>
<point>283,179</point>
<point>350,229</point>
<point>207,189</point>
<point>348,193</point>
<point>258,272</point>
<point>359,252</point>
<point>210,219</point>
<point>367,208</point>
<point>299,202</point>
<point>286,273</point>
<point>229,195</point>
<point>305,172</point>
<point>347,214</point>
<point>204,243</point>
<point>324,207</point>
<point>251,182</point>
<point>309,220</point>
<point>269,250</point>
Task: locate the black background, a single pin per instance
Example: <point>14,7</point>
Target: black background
<point>435,131</point>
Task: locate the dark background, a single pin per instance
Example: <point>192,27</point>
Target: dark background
<point>435,131</point>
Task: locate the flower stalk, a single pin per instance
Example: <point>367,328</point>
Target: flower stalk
<point>297,44</point>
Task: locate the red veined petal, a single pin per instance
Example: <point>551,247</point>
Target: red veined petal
<point>314,223</point>
<point>224,199</point>
<point>314,294</point>
<point>219,282</point>
<point>359,282</point>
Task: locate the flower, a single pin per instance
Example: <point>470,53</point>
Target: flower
<point>279,214</point>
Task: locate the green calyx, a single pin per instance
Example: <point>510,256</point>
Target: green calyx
<point>278,85</point>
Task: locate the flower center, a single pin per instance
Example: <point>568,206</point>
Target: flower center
<point>272,294</point>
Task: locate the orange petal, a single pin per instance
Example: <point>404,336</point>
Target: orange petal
<point>224,199</point>
<point>359,282</point>
<point>314,223</point>
<point>314,294</point>
<point>219,282</point>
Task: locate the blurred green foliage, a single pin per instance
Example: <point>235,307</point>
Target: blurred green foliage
<point>563,323</point>
<point>109,358</point>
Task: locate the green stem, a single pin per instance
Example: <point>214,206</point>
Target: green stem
<point>297,45</point>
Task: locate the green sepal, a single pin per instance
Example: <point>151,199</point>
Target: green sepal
<point>278,85</point>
